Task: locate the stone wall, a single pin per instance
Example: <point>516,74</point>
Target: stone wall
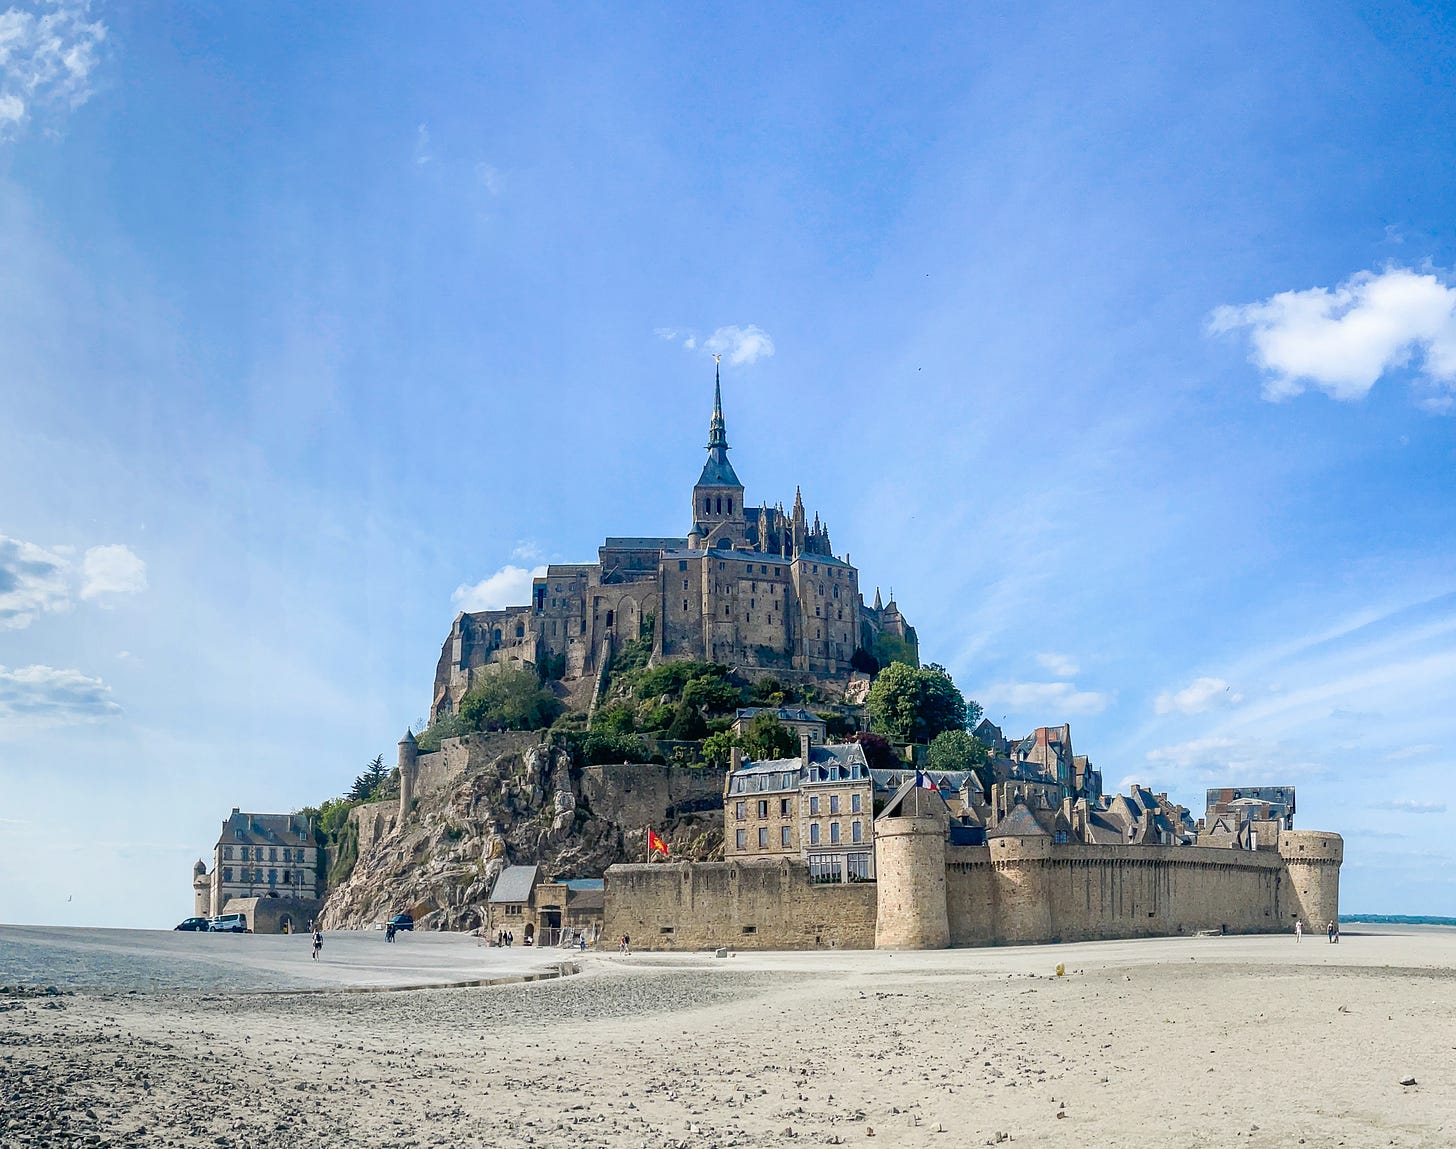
<point>1013,891</point>
<point>438,768</point>
<point>647,794</point>
<point>770,905</point>
<point>269,915</point>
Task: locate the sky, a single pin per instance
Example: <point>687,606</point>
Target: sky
<point>1120,342</point>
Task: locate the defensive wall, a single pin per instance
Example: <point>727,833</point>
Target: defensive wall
<point>769,905</point>
<point>1014,891</point>
<point>276,915</point>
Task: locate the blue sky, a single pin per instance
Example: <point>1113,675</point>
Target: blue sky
<point>1120,343</point>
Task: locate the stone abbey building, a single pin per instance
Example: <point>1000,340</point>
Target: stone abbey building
<point>755,587</point>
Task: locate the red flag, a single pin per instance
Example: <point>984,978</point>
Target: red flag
<point>655,844</point>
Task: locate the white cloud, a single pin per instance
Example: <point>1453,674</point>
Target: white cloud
<point>1410,806</point>
<point>422,145</point>
<point>112,570</point>
<point>509,586</point>
<point>491,178</point>
<point>46,59</point>
<point>528,551</point>
<point>32,582</point>
<point>742,346</point>
<point>1199,695</point>
<point>1343,340</point>
<point>35,581</point>
<point>1223,758</point>
<point>1055,699</point>
<point>45,696</point>
<point>1061,665</point>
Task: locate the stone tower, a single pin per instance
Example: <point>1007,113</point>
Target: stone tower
<point>1312,868</point>
<point>409,752</point>
<point>201,891</point>
<point>910,871</point>
<point>718,495</point>
<point>1020,851</point>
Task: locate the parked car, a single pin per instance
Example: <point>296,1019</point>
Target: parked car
<point>402,922</point>
<point>229,924</point>
<point>193,924</point>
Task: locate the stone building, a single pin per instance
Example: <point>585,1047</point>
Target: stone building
<point>795,718</point>
<point>544,912</point>
<point>259,856</point>
<point>1247,817</point>
<point>818,808</point>
<point>756,587</point>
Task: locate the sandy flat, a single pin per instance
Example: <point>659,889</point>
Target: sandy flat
<point>1217,1041</point>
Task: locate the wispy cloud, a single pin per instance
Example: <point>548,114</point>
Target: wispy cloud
<point>1411,806</point>
<point>1343,340</point>
<point>1063,666</point>
<point>1049,699</point>
<point>46,696</point>
<point>741,346</point>
<point>46,60</point>
<point>33,581</point>
<point>36,581</point>
<point>1199,695</point>
<point>509,586</point>
<point>423,155</point>
<point>528,551</point>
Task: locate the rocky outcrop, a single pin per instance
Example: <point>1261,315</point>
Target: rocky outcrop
<point>518,801</point>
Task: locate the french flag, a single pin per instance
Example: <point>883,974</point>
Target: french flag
<point>923,781</point>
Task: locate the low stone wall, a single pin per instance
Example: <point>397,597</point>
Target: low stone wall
<point>438,768</point>
<point>637,794</point>
<point>270,915</point>
<point>768,905</point>
<point>1013,891</point>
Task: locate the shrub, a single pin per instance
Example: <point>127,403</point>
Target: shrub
<point>508,699</point>
<point>767,738</point>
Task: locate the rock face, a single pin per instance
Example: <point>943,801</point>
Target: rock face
<point>511,801</point>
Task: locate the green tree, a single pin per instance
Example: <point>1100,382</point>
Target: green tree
<point>955,750</point>
<point>687,724</point>
<point>508,699</point>
<point>712,693</point>
<point>369,783</point>
<point>718,748</point>
<point>615,720</point>
<point>914,704</point>
<point>767,738</point>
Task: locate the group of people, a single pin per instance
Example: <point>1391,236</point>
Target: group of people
<point>624,945</point>
<point>1332,931</point>
<point>505,938</point>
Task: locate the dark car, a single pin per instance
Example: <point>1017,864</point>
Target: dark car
<point>402,922</point>
<point>198,925</point>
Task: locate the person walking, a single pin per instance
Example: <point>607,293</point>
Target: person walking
<point>318,943</point>
<point>1330,932</point>
<point>1298,930</point>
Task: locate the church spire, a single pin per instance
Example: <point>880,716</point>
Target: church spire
<point>718,471</point>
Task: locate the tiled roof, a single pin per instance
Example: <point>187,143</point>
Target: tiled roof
<point>266,830</point>
<point>514,884</point>
<point>1017,824</point>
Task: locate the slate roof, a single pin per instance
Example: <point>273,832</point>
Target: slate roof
<point>265,830</point>
<point>718,472</point>
<point>584,883</point>
<point>1017,824</point>
<point>514,884</point>
<point>644,543</point>
<point>782,713</point>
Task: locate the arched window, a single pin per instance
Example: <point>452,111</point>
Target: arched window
<point>707,505</point>
<point>719,502</point>
<point>730,504</point>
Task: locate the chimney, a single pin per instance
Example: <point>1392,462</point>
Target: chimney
<point>804,747</point>
<point>735,758</point>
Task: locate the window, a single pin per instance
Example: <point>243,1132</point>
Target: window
<point>776,570</point>
<point>272,877</point>
<point>784,837</point>
<point>834,803</point>
<point>682,566</point>
<point>834,833</point>
<point>856,831</point>
<point>730,504</point>
<point>272,854</point>
<point>741,811</point>
<point>227,874</point>
<point>783,807</point>
<point>685,604</point>
<point>287,877</point>
<point>707,505</point>
<point>859,866</point>
<point>227,852</point>
<point>763,837</point>
<point>720,504</point>
<point>763,807</point>
<point>854,803</point>
<point>814,803</point>
<point>813,833</point>
<point>742,839</point>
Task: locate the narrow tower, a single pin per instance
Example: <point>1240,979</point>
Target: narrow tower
<point>718,495</point>
<point>409,752</point>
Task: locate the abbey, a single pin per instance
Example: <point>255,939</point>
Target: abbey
<point>755,587</point>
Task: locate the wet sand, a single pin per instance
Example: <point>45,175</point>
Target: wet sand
<point>1202,1041</point>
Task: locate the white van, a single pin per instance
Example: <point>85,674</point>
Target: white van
<point>229,924</point>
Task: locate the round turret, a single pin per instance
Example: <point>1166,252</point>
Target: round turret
<point>199,870</point>
<point>408,759</point>
<point>1020,850</point>
<point>1312,864</point>
<point>201,891</point>
<point>910,875</point>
